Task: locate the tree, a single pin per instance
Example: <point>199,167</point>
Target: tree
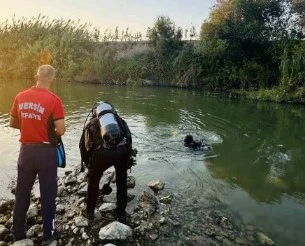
<point>116,34</point>
<point>164,36</point>
<point>185,33</point>
<point>193,33</point>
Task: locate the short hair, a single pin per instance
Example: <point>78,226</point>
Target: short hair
<point>46,73</point>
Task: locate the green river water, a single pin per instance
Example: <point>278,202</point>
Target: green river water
<point>256,165</point>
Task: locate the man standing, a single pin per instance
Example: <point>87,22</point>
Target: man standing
<point>39,115</point>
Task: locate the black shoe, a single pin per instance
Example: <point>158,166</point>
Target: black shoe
<point>48,240</point>
<point>90,216</point>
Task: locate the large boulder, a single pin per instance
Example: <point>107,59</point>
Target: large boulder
<point>115,231</point>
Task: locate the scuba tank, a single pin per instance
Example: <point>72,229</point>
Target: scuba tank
<point>110,130</point>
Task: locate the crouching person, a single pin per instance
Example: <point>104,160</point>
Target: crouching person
<point>106,141</point>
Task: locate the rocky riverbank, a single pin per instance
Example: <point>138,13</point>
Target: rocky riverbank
<point>155,217</point>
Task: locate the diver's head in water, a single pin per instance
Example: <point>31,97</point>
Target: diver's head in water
<point>194,144</point>
<point>188,139</point>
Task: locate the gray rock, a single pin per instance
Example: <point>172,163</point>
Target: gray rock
<point>32,212</point>
<point>81,221</point>
<point>3,231</point>
<point>34,230</point>
<point>81,200</point>
<point>156,185</point>
<point>5,205</point>
<point>2,243</point>
<point>153,237</point>
<point>81,177</point>
<point>107,207</point>
<point>54,243</point>
<point>85,236</point>
<point>226,242</point>
<point>25,242</point>
<point>162,221</point>
<point>149,202</point>
<point>264,240</point>
<point>70,179</point>
<point>71,214</point>
<point>240,240</point>
<point>115,231</point>
<point>60,209</point>
<point>109,244</point>
<point>167,199</point>
<point>131,182</point>
<point>83,191</point>
<point>61,191</point>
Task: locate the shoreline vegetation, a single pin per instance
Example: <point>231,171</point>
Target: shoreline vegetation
<point>255,49</point>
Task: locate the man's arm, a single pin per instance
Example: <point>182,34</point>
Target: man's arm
<point>60,127</point>
<point>14,122</point>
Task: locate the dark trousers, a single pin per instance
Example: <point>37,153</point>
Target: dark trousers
<point>36,159</point>
<point>101,160</point>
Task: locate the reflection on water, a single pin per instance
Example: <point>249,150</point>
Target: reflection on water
<point>255,164</point>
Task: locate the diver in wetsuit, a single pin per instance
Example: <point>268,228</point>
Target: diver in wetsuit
<point>194,144</point>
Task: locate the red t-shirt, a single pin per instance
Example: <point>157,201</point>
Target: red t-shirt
<point>37,109</point>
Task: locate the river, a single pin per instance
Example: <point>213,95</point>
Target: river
<point>255,165</point>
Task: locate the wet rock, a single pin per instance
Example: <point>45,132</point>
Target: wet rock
<point>150,202</point>
<point>34,231</point>
<point>210,232</point>
<point>130,197</point>
<point>3,219</point>
<point>71,214</point>
<point>131,182</point>
<point>115,231</point>
<point>85,236</point>
<point>83,191</point>
<point>70,179</point>
<point>167,199</point>
<point>143,227</point>
<point>107,207</point>
<point>5,205</point>
<point>60,209</point>
<point>240,241</point>
<point>54,243</point>
<point>81,177</point>
<point>3,231</point>
<point>162,221</point>
<point>81,222</point>
<point>264,240</point>
<point>153,237</point>
<point>32,212</point>
<point>25,242</point>
<point>156,185</point>
<point>226,242</point>
<point>61,191</point>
